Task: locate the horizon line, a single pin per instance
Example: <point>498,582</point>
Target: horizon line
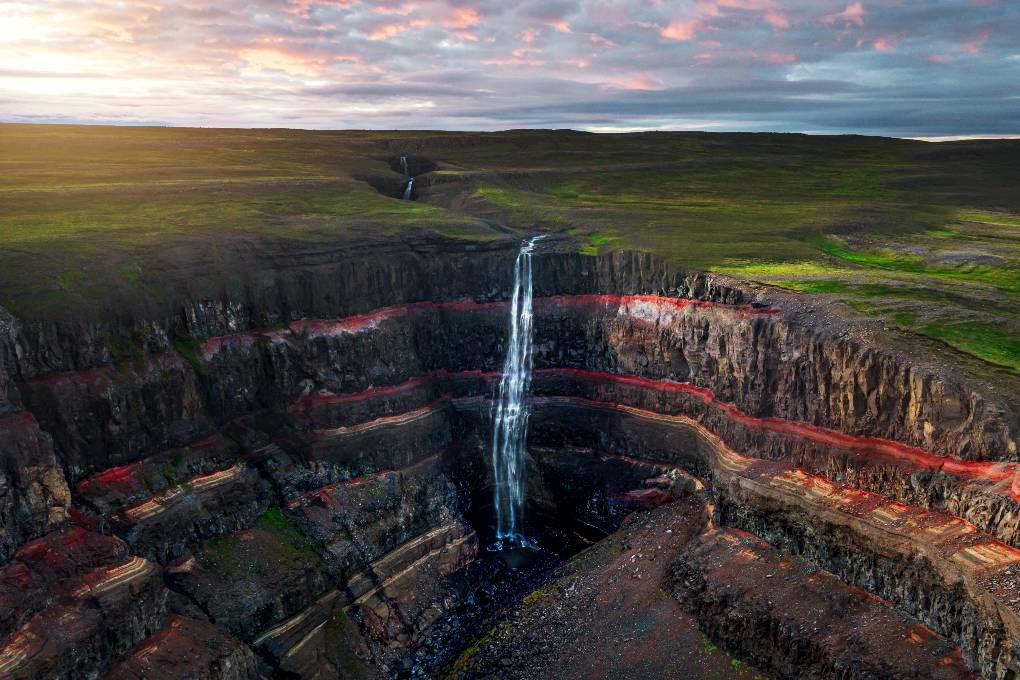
<point>599,130</point>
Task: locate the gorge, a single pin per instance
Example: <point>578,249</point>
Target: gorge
<point>298,470</point>
<point>332,525</point>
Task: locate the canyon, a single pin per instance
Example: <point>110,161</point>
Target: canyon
<point>292,478</point>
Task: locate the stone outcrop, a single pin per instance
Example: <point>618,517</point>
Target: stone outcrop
<point>185,648</point>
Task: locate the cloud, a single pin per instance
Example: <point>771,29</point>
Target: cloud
<point>681,30</point>
<point>853,14</point>
<point>973,45</point>
<point>777,19</point>
<point>942,67</point>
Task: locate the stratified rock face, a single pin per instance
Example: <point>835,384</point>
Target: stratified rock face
<point>185,648</point>
<point>85,600</point>
<point>103,417</point>
<point>822,628</point>
<point>284,478</point>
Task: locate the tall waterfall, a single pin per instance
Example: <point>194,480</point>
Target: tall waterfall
<point>510,422</point>
<point>408,188</point>
<point>403,165</point>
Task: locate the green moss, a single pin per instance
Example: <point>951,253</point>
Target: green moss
<point>190,350</point>
<point>337,621</point>
<point>127,352</point>
<point>283,528</point>
<point>221,553</point>
<point>537,595</point>
<point>171,470</point>
<point>376,488</point>
<point>463,662</point>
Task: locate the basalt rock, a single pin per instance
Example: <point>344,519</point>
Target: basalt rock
<point>34,498</point>
<point>297,467</point>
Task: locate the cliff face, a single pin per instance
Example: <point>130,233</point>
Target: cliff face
<point>293,467</point>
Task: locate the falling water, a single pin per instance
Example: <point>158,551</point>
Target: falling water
<point>403,165</point>
<point>408,188</point>
<point>510,426</point>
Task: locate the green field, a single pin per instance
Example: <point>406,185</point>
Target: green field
<point>925,236</point>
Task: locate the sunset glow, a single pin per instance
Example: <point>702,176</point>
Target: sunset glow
<point>831,66</point>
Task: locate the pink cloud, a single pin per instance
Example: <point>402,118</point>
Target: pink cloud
<point>577,63</point>
<point>634,82</point>
<point>403,9</point>
<point>462,17</point>
<point>278,59</point>
<point>708,8</point>
<point>303,8</point>
<point>514,61</point>
<point>771,11</point>
<point>596,39</point>
<point>853,14</point>
<point>781,58</point>
<point>759,5</point>
<point>561,26</point>
<point>939,58</point>
<point>973,46</point>
<point>386,31</point>
<point>525,52</point>
<point>529,35</point>
<point>681,30</point>
<point>459,20</point>
<point>777,19</point>
<point>885,44</point>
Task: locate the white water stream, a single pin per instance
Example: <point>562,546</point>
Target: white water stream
<point>510,420</point>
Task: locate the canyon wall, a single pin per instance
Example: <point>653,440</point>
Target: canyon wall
<point>289,474</point>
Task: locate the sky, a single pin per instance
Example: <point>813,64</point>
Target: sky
<point>925,68</point>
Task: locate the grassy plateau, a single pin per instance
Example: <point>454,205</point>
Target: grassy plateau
<point>924,236</point>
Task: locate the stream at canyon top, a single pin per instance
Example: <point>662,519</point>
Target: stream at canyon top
<point>510,418</point>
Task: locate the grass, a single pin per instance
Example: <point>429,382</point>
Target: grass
<point>1005,278</point>
<point>98,220</point>
<point>595,243</point>
<point>994,344</point>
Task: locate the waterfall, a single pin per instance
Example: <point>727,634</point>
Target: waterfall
<point>403,165</point>
<point>510,420</point>
<point>408,188</point>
